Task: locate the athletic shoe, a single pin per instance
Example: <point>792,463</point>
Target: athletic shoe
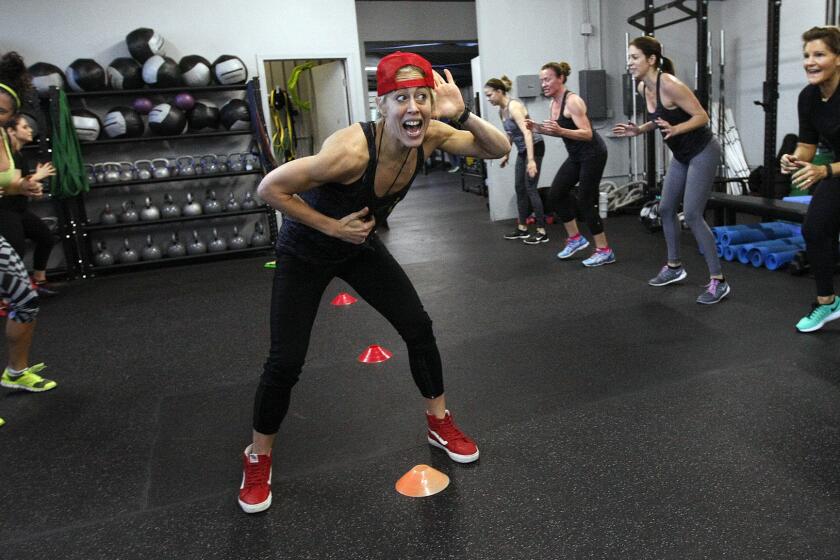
<point>517,234</point>
<point>668,275</point>
<point>820,315</point>
<point>255,490</point>
<point>536,238</point>
<point>29,380</point>
<point>2,422</point>
<point>600,258</point>
<point>573,246</point>
<point>443,433</point>
<point>716,290</point>
<point>455,169</point>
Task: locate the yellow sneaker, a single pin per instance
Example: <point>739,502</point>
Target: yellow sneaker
<point>29,380</point>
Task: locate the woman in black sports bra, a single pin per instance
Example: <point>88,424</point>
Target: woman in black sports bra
<point>683,122</point>
<point>331,203</point>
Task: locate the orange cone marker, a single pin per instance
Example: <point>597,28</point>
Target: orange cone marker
<point>422,481</point>
<point>374,354</point>
<point>344,299</point>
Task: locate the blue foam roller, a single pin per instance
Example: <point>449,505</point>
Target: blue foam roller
<point>730,252</point>
<point>774,261</point>
<point>719,249</point>
<point>742,252</point>
<point>758,255</point>
<point>743,236</point>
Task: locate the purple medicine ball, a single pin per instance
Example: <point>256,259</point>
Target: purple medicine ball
<point>184,101</point>
<point>142,105</point>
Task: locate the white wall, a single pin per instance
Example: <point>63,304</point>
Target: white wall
<point>416,21</point>
<point>59,32</point>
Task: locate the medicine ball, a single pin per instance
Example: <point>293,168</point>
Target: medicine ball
<point>196,70</point>
<point>235,115</point>
<point>44,75</point>
<point>87,125</point>
<point>123,122</point>
<point>184,101</point>
<point>160,71</point>
<point>142,105</point>
<point>85,74</point>
<point>203,115</point>
<point>125,73</point>
<point>143,43</point>
<point>229,69</point>
<point>167,120</point>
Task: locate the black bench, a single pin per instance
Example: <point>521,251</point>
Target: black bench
<point>728,206</point>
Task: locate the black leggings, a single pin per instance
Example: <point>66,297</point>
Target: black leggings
<point>820,230</point>
<point>16,226</point>
<point>588,172</point>
<point>298,286</point>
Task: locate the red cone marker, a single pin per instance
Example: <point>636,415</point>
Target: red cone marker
<point>374,354</point>
<point>344,299</point>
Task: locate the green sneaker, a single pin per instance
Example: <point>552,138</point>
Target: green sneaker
<point>819,316</point>
<point>29,380</point>
<point>2,422</point>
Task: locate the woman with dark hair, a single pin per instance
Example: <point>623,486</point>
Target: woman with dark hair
<point>331,203</point>
<point>17,222</point>
<point>819,117</point>
<point>14,282</point>
<point>584,166</point>
<point>530,150</point>
<point>684,126</point>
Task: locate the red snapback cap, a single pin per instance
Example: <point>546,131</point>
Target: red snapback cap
<point>386,72</point>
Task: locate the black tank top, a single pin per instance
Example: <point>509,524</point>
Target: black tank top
<point>337,201</point>
<point>683,146</point>
<point>579,150</point>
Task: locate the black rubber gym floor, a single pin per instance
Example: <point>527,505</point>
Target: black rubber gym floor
<point>615,420</point>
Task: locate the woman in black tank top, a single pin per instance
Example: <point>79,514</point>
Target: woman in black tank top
<point>331,203</point>
<point>584,166</point>
<point>677,113</point>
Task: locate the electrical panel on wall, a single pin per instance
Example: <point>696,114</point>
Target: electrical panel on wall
<point>593,90</point>
<point>528,85</point>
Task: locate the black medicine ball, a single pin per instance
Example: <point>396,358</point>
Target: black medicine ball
<point>229,70</point>
<point>235,115</point>
<point>44,75</point>
<point>162,72</point>
<point>125,73</point>
<point>203,115</point>
<point>87,125</point>
<point>167,120</point>
<point>196,70</point>
<point>85,74</point>
<point>123,122</point>
<point>143,43</point>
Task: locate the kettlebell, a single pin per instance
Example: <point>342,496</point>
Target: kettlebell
<point>169,209</point>
<point>128,255</point>
<point>129,213</point>
<point>232,205</point>
<point>112,172</point>
<point>235,163</point>
<point>248,202</point>
<point>99,172</point>
<point>186,165</point>
<point>150,252</point>
<point>259,237</point>
<point>127,172</point>
<point>237,241</point>
<point>91,176</point>
<point>250,162</point>
<point>160,168</point>
<point>107,216</point>
<point>210,163</point>
<point>199,165</point>
<point>196,246</point>
<point>217,244</point>
<point>103,256</point>
<point>211,205</point>
<point>223,163</point>
<point>144,169</point>
<point>149,212</point>
<point>192,207</point>
<point>175,247</point>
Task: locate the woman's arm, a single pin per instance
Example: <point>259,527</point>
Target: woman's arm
<point>517,113</point>
<point>682,97</point>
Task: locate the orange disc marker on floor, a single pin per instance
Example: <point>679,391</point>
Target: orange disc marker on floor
<point>374,354</point>
<point>422,481</point>
<point>343,299</point>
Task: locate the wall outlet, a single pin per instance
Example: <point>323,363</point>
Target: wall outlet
<point>586,28</point>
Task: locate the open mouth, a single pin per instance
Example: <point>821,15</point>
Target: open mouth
<point>413,127</point>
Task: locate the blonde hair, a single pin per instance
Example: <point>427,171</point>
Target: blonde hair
<point>502,84</point>
<point>560,68</point>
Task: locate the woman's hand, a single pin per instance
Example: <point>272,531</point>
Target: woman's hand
<point>532,168</point>
<point>504,161</point>
<point>353,228</point>
<point>448,101</point>
<point>627,129</point>
<point>789,164</point>
<point>551,128</point>
<point>533,126</point>
<point>32,188</point>
<point>808,175</point>
<point>665,127</point>
<point>42,171</point>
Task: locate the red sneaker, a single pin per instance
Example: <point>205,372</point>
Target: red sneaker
<point>255,491</point>
<point>443,433</point>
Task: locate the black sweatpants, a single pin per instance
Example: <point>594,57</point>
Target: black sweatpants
<point>298,286</point>
<point>588,172</point>
<point>18,225</point>
<point>820,230</point>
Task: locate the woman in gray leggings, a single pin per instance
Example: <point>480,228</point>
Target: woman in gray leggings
<point>684,126</point>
